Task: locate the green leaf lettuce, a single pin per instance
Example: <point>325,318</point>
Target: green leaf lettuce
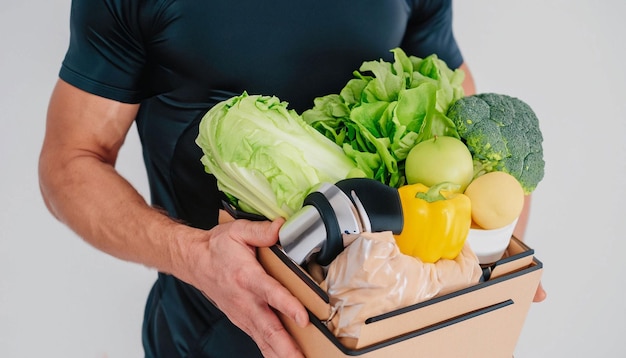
<point>386,109</point>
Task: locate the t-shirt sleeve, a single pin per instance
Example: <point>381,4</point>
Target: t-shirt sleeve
<point>429,31</point>
<point>105,55</point>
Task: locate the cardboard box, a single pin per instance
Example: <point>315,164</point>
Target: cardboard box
<point>482,321</point>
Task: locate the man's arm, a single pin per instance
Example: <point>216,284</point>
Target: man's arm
<point>81,187</point>
<point>469,87</point>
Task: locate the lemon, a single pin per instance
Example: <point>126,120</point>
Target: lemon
<point>497,199</point>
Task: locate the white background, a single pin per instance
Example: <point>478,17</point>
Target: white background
<point>61,298</point>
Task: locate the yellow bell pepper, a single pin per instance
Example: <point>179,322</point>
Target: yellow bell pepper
<point>436,221</point>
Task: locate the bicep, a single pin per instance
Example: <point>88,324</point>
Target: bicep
<point>82,124</point>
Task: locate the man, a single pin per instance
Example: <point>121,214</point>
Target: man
<point>162,64</point>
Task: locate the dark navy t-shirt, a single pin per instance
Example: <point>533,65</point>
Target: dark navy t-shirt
<point>180,57</point>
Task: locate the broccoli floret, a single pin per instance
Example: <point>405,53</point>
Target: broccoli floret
<point>503,134</point>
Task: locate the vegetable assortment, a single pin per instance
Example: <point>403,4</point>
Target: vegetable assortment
<point>267,158</point>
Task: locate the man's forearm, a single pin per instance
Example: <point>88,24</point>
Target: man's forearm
<point>469,86</point>
<point>90,197</point>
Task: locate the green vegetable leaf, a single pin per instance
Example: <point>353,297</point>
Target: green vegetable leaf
<point>386,109</point>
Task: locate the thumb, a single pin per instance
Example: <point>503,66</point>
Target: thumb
<point>262,233</point>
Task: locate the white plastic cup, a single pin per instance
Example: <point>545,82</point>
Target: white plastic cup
<point>490,245</point>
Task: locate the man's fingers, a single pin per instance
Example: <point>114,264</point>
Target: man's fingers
<point>540,294</point>
<point>268,289</point>
<point>254,314</point>
<point>259,233</point>
<point>278,297</point>
<point>247,294</point>
<point>253,278</point>
<point>271,337</point>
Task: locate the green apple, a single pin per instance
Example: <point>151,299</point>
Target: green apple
<point>440,159</point>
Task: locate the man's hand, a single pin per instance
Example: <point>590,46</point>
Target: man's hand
<point>223,265</point>
<point>540,294</point>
